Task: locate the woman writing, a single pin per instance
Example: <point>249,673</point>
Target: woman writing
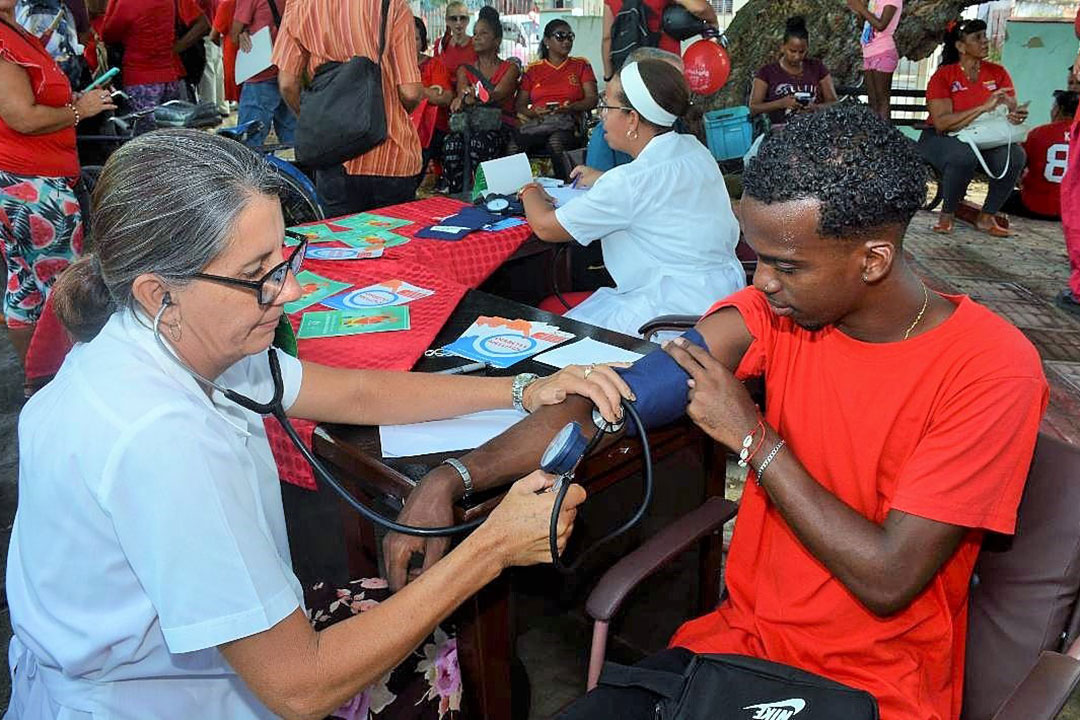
<point>664,219</point>
<point>794,83</point>
<point>965,87</point>
<point>41,225</point>
<point>491,82</point>
<point>555,91</point>
<point>149,570</point>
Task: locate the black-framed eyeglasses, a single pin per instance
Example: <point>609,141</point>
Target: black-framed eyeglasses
<point>271,284</point>
<point>562,35</point>
<point>456,18</point>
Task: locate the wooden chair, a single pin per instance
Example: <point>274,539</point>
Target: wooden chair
<point>1023,655</point>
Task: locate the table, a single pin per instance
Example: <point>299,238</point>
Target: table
<point>485,642</point>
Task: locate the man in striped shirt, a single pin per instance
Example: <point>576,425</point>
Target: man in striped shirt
<point>314,32</point>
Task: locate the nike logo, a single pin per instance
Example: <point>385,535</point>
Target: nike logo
<point>779,710</point>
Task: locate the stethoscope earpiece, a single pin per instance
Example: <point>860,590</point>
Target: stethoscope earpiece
<point>166,300</point>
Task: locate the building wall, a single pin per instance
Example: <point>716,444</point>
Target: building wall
<point>1037,55</point>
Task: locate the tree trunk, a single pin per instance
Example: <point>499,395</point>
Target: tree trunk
<point>755,34</point>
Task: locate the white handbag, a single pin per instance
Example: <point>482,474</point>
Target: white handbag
<point>990,130</point>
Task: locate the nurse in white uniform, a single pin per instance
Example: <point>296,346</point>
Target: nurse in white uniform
<point>664,219</point>
<point>149,573</point>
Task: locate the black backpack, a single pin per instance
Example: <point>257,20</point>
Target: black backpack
<point>630,30</point>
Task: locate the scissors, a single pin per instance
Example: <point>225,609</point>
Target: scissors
<point>437,353</point>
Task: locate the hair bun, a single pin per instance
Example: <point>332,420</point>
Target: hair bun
<point>796,23</point>
<point>81,299</point>
<point>489,13</point>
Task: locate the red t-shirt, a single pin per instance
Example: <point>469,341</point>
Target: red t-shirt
<point>453,56</point>
<point>942,426</point>
<point>433,73</point>
<point>1047,148</point>
<point>544,82</point>
<point>223,20</point>
<point>147,30</point>
<point>254,15</point>
<point>654,21</point>
<point>509,116</point>
<point>950,83</point>
<point>52,154</point>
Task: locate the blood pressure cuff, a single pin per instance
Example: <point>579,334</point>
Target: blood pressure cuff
<point>659,383</point>
<point>458,226</point>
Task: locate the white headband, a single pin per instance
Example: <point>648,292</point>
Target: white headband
<point>642,100</point>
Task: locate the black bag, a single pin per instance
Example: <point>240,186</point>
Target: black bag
<point>630,30</point>
<point>480,118</point>
<point>343,112</point>
<point>737,687</point>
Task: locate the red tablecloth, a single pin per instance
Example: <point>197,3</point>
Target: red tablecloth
<point>448,268</point>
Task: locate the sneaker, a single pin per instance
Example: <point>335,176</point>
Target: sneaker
<point>1067,301</point>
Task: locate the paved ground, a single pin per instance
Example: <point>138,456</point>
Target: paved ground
<point>1018,278</point>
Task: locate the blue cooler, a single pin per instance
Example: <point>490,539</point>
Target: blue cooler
<point>728,132</point>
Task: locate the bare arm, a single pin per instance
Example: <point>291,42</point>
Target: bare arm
<point>410,95</point>
<point>878,23</point>
<point>540,213</point>
<point>195,33</point>
<point>701,9</point>
<point>945,120</point>
<point>758,105</point>
<point>507,86</point>
<point>289,85</point>
<point>828,91</point>
<point>23,114</point>
<point>301,674</point>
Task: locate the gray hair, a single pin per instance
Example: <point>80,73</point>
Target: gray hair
<point>166,203</point>
<point>652,53</point>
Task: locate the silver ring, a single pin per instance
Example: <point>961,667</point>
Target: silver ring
<point>588,371</point>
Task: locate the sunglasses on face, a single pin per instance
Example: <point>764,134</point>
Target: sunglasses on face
<point>563,35</point>
<point>456,18</point>
<point>272,283</point>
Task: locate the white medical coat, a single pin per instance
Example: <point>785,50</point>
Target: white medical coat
<point>149,530</point>
<point>667,231</point>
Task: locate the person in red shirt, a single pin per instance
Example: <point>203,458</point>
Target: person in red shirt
<point>1069,298</point>
<point>455,47</point>
<point>555,91</point>
<point>966,86</point>
<point>496,88</point>
<point>1047,150</point>
<point>898,429</point>
<point>260,97</point>
<point>151,70</point>
<point>222,30</point>
<point>438,94</point>
<point>655,13</point>
<point>41,222</point>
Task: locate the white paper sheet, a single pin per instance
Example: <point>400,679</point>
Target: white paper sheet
<point>506,175</point>
<point>586,351</point>
<point>563,195</point>
<point>249,64</point>
<point>460,433</point>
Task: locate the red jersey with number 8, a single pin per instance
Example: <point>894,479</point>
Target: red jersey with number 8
<point>1047,148</point>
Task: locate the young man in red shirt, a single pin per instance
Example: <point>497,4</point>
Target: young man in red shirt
<point>898,428</point>
<point>1047,150</point>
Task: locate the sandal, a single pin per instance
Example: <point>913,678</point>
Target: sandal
<point>994,230</point>
<point>944,226</point>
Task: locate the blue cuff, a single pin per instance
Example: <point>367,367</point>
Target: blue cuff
<point>659,383</point>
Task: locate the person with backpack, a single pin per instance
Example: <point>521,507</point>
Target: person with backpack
<point>260,97</point>
<point>629,24</point>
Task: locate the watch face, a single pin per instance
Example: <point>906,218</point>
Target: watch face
<point>498,204</point>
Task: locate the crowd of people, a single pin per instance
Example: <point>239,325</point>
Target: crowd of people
<point>150,571</point>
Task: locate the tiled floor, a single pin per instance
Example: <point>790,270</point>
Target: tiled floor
<point>1017,277</point>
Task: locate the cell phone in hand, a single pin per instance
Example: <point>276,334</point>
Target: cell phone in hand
<point>552,105</point>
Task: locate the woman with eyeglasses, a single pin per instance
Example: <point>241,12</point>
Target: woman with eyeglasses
<point>664,220</point>
<point>555,91</point>
<point>966,86</point>
<point>455,47</point>
<point>149,571</point>
<point>490,82</point>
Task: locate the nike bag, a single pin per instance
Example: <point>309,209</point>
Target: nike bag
<point>737,687</point>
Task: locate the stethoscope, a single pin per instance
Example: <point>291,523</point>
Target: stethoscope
<point>562,457</point>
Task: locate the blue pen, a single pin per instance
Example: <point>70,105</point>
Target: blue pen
<point>574,183</point>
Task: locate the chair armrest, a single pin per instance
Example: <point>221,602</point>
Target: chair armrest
<point>1044,691</point>
<point>606,598</point>
<point>668,322</point>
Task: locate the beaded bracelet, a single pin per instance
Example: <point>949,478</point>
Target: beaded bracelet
<point>526,188</point>
<point>746,454</point>
<point>73,109</point>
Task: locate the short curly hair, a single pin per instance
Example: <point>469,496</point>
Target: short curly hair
<point>863,172</point>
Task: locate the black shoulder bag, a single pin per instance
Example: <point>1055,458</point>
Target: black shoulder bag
<point>737,687</point>
<point>343,112</point>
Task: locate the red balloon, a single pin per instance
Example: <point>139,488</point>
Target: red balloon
<point>706,66</point>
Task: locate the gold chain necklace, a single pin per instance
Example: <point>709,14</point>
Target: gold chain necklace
<point>925,303</point>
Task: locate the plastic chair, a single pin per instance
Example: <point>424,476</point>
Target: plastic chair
<point>1023,656</point>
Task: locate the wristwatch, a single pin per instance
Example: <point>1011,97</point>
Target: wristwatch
<point>517,390</point>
